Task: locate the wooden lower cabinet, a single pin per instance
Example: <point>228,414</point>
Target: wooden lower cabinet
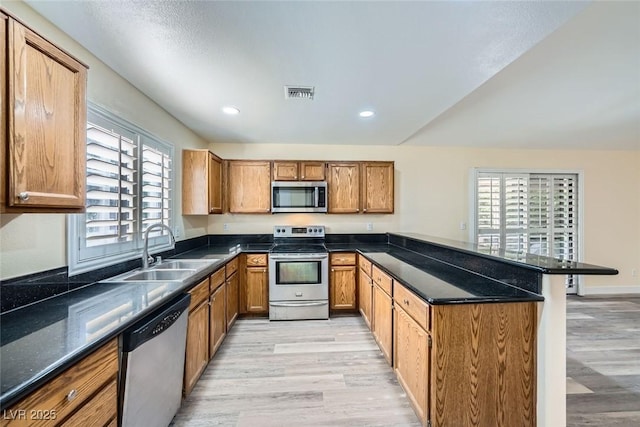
<point>473,366</point>
<point>411,361</point>
<point>217,319</point>
<point>365,293</point>
<point>197,348</point>
<point>257,290</point>
<point>233,297</point>
<point>84,394</point>
<point>382,312</point>
<point>342,283</point>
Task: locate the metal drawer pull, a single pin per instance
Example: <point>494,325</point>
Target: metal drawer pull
<point>24,196</point>
<point>406,301</point>
<point>72,395</point>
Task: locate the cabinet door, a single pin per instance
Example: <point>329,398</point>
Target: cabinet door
<point>285,171</point>
<point>217,319</point>
<point>215,184</point>
<point>411,359</point>
<point>195,200</point>
<point>197,350</point>
<point>342,285</point>
<point>47,117</point>
<point>343,182</point>
<point>377,187</point>
<point>364,297</point>
<point>249,186</point>
<point>312,171</point>
<point>233,292</point>
<point>257,290</point>
<point>382,321</point>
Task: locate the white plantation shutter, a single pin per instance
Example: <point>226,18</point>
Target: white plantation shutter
<point>534,213</point>
<point>129,187</point>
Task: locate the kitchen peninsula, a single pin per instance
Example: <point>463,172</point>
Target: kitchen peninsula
<point>435,271</point>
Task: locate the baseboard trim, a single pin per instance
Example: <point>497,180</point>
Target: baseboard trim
<point>610,290</point>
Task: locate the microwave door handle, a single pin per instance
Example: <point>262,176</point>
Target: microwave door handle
<point>316,192</point>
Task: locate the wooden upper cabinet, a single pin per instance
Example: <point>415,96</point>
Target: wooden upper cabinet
<point>249,186</point>
<point>312,171</point>
<point>377,187</point>
<point>201,183</point>
<point>343,182</point>
<point>285,171</point>
<point>298,171</point>
<point>44,124</point>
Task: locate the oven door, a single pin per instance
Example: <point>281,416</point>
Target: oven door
<point>298,277</point>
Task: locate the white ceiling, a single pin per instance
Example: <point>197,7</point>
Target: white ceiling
<point>463,73</point>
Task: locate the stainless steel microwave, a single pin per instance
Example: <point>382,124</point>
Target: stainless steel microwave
<point>298,196</point>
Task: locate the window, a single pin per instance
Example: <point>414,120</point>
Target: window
<point>527,212</point>
<point>129,187</point>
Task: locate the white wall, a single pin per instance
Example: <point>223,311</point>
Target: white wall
<point>432,195</point>
<point>34,242</point>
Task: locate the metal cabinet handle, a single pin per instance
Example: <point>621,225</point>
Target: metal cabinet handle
<point>24,196</point>
<point>406,302</point>
<point>72,395</point>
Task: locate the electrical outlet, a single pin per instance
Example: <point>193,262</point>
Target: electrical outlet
<point>634,272</point>
<point>463,225</point>
<point>369,226</point>
<point>225,226</point>
<point>177,232</point>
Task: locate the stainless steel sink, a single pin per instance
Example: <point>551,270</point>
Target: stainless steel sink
<point>173,270</point>
<point>156,275</point>
<point>184,264</point>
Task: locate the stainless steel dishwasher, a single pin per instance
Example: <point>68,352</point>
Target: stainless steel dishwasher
<point>153,365</point>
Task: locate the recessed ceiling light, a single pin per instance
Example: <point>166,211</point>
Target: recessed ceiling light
<point>366,113</point>
<point>232,111</point>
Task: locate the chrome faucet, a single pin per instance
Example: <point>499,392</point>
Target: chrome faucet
<point>146,259</point>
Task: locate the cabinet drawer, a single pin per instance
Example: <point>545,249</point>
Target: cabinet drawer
<point>98,411</point>
<point>256,260</point>
<point>72,388</point>
<point>199,294</point>
<point>232,267</point>
<point>217,279</point>
<point>414,306</point>
<point>382,279</point>
<point>365,264</point>
<point>342,258</point>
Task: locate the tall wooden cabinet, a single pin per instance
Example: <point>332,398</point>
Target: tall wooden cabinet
<point>360,187</point>
<point>343,187</point>
<point>342,282</point>
<point>377,187</point>
<point>249,186</point>
<point>43,146</point>
<point>201,183</point>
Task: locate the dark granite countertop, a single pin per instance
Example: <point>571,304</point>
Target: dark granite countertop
<point>540,263</point>
<point>439,283</point>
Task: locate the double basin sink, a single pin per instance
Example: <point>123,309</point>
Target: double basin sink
<point>176,270</point>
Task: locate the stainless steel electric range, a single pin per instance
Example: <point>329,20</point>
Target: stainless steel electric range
<point>298,273</point>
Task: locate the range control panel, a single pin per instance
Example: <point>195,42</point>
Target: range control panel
<point>298,231</point>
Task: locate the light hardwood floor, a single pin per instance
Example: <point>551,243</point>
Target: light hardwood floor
<point>304,373</point>
<point>603,361</point>
<point>331,373</point>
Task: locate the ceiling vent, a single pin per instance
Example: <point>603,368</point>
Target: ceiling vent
<point>299,92</point>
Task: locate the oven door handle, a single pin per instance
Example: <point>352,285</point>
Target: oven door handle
<point>298,304</point>
<point>304,257</point>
